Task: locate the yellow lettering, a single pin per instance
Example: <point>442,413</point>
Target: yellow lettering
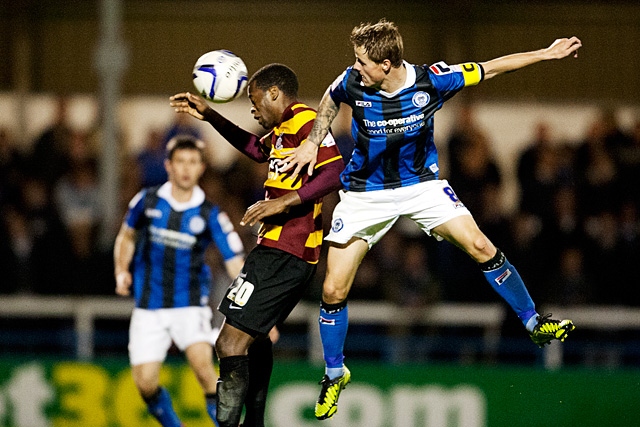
<point>83,389</point>
<point>192,401</point>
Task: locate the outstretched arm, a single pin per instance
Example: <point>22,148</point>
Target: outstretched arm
<point>196,106</point>
<point>306,153</point>
<point>561,48</point>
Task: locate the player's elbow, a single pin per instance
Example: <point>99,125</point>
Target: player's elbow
<point>489,71</point>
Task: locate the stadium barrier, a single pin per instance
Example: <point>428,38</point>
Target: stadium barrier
<point>488,317</point>
<point>84,311</point>
<point>595,318</point>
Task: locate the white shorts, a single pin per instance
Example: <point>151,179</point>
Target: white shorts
<point>370,214</point>
<point>151,332</point>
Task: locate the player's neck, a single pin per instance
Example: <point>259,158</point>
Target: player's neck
<point>395,79</point>
<point>181,195</point>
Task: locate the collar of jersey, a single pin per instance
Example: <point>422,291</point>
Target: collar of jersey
<point>409,81</point>
<point>197,197</point>
<point>288,112</point>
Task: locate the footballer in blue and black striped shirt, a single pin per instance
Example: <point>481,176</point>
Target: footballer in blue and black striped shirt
<point>160,252</point>
<point>393,172</point>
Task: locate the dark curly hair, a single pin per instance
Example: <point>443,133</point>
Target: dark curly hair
<point>278,75</point>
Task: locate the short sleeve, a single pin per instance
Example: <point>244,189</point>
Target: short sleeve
<point>338,89</point>
<point>224,235</point>
<point>136,210</point>
<point>452,78</point>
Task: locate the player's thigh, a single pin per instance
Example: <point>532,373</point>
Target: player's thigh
<point>149,338</point>
<point>463,232</point>
<point>342,265</point>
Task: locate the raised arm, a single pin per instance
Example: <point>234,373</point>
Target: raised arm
<point>561,48</point>
<point>306,153</point>
<point>245,142</point>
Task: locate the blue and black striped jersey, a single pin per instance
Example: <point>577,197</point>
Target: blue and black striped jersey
<point>393,132</point>
<point>168,268</point>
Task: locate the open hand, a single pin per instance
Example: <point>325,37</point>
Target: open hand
<point>262,209</point>
<point>187,102</point>
<point>306,154</point>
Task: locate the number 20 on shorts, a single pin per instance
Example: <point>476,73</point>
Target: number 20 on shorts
<point>241,291</point>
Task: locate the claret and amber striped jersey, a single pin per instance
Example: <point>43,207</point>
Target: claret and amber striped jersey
<point>393,132</point>
<point>297,231</point>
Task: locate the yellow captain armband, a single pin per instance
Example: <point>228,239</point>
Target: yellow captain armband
<point>471,72</point>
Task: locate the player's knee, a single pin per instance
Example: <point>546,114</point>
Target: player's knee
<point>333,294</point>
<point>222,345</point>
<point>480,243</point>
<point>147,386</point>
<point>482,248</point>
<point>227,345</point>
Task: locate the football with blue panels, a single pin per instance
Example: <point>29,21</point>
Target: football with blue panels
<point>220,76</point>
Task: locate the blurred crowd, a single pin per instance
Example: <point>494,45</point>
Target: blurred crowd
<point>574,236</point>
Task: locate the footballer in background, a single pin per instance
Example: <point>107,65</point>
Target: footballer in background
<point>159,252</point>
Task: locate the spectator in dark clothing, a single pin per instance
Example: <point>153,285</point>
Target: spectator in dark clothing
<point>12,169</point>
<point>597,173</point>
<point>49,159</point>
<point>539,173</point>
<point>629,161</point>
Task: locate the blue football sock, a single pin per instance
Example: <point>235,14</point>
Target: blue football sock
<point>161,408</point>
<point>212,407</point>
<point>334,321</point>
<point>504,278</point>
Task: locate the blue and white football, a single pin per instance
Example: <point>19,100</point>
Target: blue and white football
<point>220,76</point>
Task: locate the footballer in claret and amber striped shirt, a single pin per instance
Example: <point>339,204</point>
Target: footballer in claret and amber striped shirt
<point>279,269</point>
<point>298,230</point>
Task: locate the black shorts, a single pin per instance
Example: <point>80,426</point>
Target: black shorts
<point>269,286</point>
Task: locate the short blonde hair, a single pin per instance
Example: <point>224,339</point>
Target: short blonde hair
<point>380,41</point>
